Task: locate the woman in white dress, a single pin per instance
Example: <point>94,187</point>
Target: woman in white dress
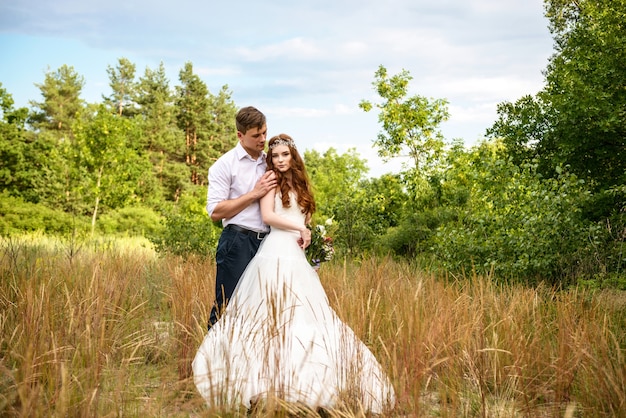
<point>279,338</point>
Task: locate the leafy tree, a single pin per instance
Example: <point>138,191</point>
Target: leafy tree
<point>112,167</point>
<point>410,123</point>
<point>579,118</point>
<point>586,83</point>
<point>61,101</point>
<point>123,87</point>
<point>193,116</point>
<point>430,201</point>
<point>162,138</point>
<point>335,179</point>
<point>522,126</point>
<point>377,205</point>
<point>14,166</point>
<point>223,133</point>
<point>515,222</point>
<point>187,229</point>
<point>46,149</point>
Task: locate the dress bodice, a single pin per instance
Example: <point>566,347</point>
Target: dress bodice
<point>293,212</point>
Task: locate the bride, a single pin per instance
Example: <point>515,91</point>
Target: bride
<point>279,338</point>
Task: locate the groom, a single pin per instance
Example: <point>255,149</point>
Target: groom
<point>237,180</point>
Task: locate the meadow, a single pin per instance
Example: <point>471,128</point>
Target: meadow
<point>108,328</point>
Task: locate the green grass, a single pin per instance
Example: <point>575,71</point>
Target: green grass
<point>107,328</point>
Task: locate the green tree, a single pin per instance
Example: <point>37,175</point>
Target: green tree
<point>105,154</point>
<point>52,120</point>
<point>161,138</point>
<point>193,116</point>
<point>522,126</point>
<point>123,87</point>
<point>579,118</point>
<point>586,83</point>
<point>409,123</point>
<point>14,166</point>
<point>335,179</point>
<point>223,132</point>
<point>375,207</point>
<point>61,101</point>
<point>514,221</point>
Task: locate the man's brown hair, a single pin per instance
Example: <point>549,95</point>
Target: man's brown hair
<point>249,117</point>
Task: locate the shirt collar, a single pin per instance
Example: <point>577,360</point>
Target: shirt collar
<point>241,153</point>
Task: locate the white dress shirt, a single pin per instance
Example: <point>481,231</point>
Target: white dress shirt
<point>232,175</point>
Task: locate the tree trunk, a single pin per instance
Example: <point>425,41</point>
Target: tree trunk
<point>95,209</point>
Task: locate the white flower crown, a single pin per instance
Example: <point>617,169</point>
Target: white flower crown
<point>281,141</point>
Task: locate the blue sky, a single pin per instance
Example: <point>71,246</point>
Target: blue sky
<point>305,64</point>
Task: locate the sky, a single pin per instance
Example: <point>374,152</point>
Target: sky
<point>305,64</point>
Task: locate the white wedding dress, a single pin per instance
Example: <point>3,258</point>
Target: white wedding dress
<point>279,337</point>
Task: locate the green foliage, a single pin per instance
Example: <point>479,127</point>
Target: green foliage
<point>522,126</point>
<point>375,206</point>
<point>123,87</point>
<point>18,216</point>
<point>207,122</point>
<point>517,223</point>
<point>521,210</point>
<point>131,221</point>
<point>335,179</point>
<point>61,91</point>
<point>579,119</point>
<point>410,123</point>
<point>187,228</point>
<point>416,230</point>
<point>13,164</point>
<point>161,139</point>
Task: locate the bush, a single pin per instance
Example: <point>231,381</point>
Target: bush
<point>187,229</point>
<point>185,234</point>
<point>19,216</point>
<point>131,221</point>
<point>519,225</point>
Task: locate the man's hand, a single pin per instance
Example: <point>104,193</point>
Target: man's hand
<point>266,183</point>
<point>231,207</point>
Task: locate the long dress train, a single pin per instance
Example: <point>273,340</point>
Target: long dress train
<point>279,337</point>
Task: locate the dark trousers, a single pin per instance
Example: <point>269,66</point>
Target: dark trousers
<point>234,252</point>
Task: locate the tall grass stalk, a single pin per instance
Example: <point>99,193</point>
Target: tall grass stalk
<point>112,330</point>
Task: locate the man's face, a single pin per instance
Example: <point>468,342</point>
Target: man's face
<point>253,141</point>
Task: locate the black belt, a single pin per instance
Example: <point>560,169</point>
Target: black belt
<point>254,234</point>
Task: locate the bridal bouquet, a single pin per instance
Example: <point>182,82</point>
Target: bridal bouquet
<point>321,248</point>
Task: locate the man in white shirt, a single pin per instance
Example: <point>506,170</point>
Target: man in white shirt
<point>237,180</point>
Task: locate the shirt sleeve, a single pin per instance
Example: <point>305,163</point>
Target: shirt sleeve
<point>219,185</point>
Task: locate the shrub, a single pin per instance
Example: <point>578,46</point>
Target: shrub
<point>17,215</point>
<point>187,228</point>
<point>185,234</point>
<point>519,224</point>
<point>131,221</point>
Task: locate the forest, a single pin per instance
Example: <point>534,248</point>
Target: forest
<point>541,199</point>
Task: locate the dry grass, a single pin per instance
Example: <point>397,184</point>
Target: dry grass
<point>109,329</point>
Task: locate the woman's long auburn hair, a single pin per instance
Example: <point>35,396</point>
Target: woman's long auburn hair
<point>299,177</point>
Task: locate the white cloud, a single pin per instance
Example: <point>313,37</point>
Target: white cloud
<point>230,71</point>
<point>306,65</point>
<point>290,49</point>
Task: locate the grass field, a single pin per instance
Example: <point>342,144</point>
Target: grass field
<point>107,328</point>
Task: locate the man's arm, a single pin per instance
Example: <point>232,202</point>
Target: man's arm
<point>230,207</point>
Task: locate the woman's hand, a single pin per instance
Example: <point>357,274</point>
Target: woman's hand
<point>305,238</point>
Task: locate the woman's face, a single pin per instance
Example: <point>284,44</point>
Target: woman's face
<point>281,158</point>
